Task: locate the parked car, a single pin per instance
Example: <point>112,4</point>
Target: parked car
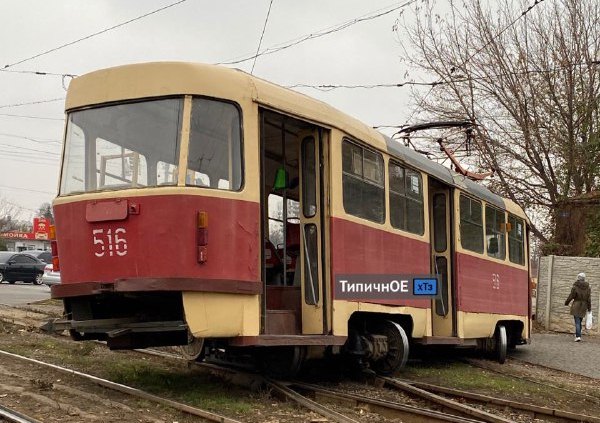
<point>20,267</point>
<point>45,256</point>
<point>50,277</point>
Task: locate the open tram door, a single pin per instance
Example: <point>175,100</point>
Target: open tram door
<point>312,183</point>
<point>443,310</point>
<point>293,196</point>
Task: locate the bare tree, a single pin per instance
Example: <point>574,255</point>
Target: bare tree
<point>527,74</point>
<point>8,216</point>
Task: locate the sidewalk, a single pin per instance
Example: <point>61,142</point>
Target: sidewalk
<point>560,351</point>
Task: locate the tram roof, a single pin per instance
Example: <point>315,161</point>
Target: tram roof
<point>146,80</point>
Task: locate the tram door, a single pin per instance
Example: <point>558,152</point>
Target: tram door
<point>312,214</point>
<point>440,214</point>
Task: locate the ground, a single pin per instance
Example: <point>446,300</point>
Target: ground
<point>516,380</point>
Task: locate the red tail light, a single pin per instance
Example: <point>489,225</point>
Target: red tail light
<point>54,248</point>
<point>55,264</point>
<point>202,237</point>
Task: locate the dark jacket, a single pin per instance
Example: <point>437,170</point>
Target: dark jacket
<point>582,294</point>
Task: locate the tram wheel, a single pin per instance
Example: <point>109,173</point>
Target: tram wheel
<point>501,344</point>
<point>280,362</point>
<point>194,350</point>
<point>397,354</point>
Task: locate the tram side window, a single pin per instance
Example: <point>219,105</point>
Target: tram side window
<point>363,182</point>
<point>406,199</point>
<point>516,238</point>
<point>215,152</point>
<point>471,224</point>
<point>495,223</point>
<point>74,165</point>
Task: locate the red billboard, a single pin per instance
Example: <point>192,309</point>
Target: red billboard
<point>41,226</point>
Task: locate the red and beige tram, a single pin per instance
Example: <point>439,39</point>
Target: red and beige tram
<point>200,203</point>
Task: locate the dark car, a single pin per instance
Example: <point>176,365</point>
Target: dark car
<point>45,256</point>
<point>20,267</point>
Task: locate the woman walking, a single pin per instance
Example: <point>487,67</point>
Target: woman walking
<point>581,293</point>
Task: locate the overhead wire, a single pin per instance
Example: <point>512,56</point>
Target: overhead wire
<point>261,36</point>
<point>36,140</point>
<point>31,102</point>
<point>87,37</point>
<point>27,189</point>
<point>524,13</point>
<point>323,32</point>
<point>32,117</point>
<point>30,149</point>
<point>39,73</point>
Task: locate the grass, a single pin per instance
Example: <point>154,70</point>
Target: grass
<point>195,389</point>
<point>171,381</point>
<point>463,376</point>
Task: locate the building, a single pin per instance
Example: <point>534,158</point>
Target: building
<point>35,240</point>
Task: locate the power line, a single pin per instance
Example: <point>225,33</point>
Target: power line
<point>276,48</point>
<point>27,189</point>
<point>19,207</point>
<point>32,117</point>
<point>31,102</point>
<point>30,149</point>
<point>39,141</point>
<point>536,2</point>
<point>261,37</point>
<point>27,159</point>
<point>329,87</point>
<point>39,73</point>
<point>514,21</point>
<point>94,34</point>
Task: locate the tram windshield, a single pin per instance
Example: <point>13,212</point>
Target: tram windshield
<point>122,146</point>
<point>137,145</point>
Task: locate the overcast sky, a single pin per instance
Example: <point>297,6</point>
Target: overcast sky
<point>196,31</point>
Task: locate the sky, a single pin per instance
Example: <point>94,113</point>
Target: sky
<point>195,31</point>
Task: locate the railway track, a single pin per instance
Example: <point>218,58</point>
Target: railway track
<point>13,416</point>
<point>451,402</point>
<point>534,411</point>
<point>457,399</point>
<point>124,389</point>
<point>318,399</point>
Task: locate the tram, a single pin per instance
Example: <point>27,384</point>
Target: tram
<point>201,206</point>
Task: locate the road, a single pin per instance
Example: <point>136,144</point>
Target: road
<point>22,293</point>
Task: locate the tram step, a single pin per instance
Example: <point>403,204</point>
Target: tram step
<point>281,322</point>
<point>445,340</point>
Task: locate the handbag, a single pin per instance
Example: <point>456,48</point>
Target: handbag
<point>589,320</point>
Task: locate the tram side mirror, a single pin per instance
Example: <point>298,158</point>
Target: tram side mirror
<point>493,246</point>
<point>281,179</point>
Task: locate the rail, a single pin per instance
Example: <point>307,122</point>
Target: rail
<point>14,416</point>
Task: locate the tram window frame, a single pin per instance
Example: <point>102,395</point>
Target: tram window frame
<point>495,229</point>
<point>402,195</point>
<point>235,155</point>
<point>354,184</point>
<point>514,222</point>
<point>467,239</point>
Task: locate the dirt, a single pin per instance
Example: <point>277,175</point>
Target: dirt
<point>50,396</point>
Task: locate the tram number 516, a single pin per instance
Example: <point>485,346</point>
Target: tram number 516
<point>110,242</point>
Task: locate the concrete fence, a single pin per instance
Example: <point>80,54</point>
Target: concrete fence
<point>556,276</point>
